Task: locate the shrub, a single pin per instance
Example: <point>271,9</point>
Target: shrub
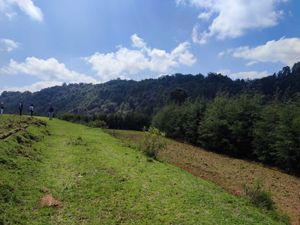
<point>153,142</point>
<point>77,141</point>
<point>180,121</point>
<point>259,197</point>
<point>97,124</point>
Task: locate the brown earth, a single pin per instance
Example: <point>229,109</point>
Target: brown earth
<point>48,200</point>
<point>229,173</point>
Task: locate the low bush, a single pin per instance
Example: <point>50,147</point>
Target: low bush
<point>259,197</point>
<point>153,142</point>
<point>97,124</point>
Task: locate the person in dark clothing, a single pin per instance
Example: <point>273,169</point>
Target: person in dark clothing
<point>20,108</point>
<point>1,108</point>
<point>31,109</point>
<point>50,112</point>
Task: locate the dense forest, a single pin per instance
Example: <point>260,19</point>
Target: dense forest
<point>253,119</point>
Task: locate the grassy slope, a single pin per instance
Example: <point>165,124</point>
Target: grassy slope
<point>99,181</point>
<point>229,173</point>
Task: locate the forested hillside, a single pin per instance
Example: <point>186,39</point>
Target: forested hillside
<point>148,96</point>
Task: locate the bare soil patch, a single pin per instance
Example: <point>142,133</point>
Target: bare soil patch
<point>49,201</point>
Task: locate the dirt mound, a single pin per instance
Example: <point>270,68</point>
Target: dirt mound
<point>49,201</point>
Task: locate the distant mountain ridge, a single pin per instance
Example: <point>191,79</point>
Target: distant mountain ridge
<point>147,96</point>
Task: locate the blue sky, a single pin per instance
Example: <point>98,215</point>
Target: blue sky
<point>45,43</point>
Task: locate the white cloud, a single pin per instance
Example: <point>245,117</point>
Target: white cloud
<point>224,72</point>
<point>126,63</point>
<point>138,42</point>
<point>205,15</point>
<point>251,63</point>
<point>27,6</point>
<point>232,18</point>
<point>49,70</point>
<point>8,45</point>
<point>284,50</point>
<point>33,87</point>
<point>251,75</point>
<point>247,75</point>
<point>199,38</point>
<point>225,53</point>
<point>221,54</point>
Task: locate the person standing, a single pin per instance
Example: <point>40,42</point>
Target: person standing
<point>1,108</point>
<point>20,108</point>
<point>50,112</point>
<point>31,109</point>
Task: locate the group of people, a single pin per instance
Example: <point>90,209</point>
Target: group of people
<point>31,110</point>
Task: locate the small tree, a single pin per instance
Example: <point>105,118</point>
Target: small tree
<point>153,142</point>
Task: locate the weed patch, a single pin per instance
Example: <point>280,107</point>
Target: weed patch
<point>153,142</point>
<point>263,199</point>
<point>78,141</point>
<point>259,197</point>
<point>8,163</point>
<point>7,194</point>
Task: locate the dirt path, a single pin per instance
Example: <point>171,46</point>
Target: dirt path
<point>230,173</point>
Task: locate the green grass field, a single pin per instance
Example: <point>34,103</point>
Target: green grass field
<point>98,180</point>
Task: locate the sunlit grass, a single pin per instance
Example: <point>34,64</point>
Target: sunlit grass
<point>98,180</point>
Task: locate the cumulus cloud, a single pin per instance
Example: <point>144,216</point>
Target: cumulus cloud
<point>26,6</point>
<point>37,86</point>
<point>284,50</point>
<point>247,75</point>
<point>8,45</point>
<point>232,18</point>
<point>126,63</point>
<point>138,42</point>
<point>49,70</point>
<point>251,75</point>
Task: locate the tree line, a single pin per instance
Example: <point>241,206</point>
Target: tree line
<point>129,121</point>
<point>148,96</point>
<point>247,125</point>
